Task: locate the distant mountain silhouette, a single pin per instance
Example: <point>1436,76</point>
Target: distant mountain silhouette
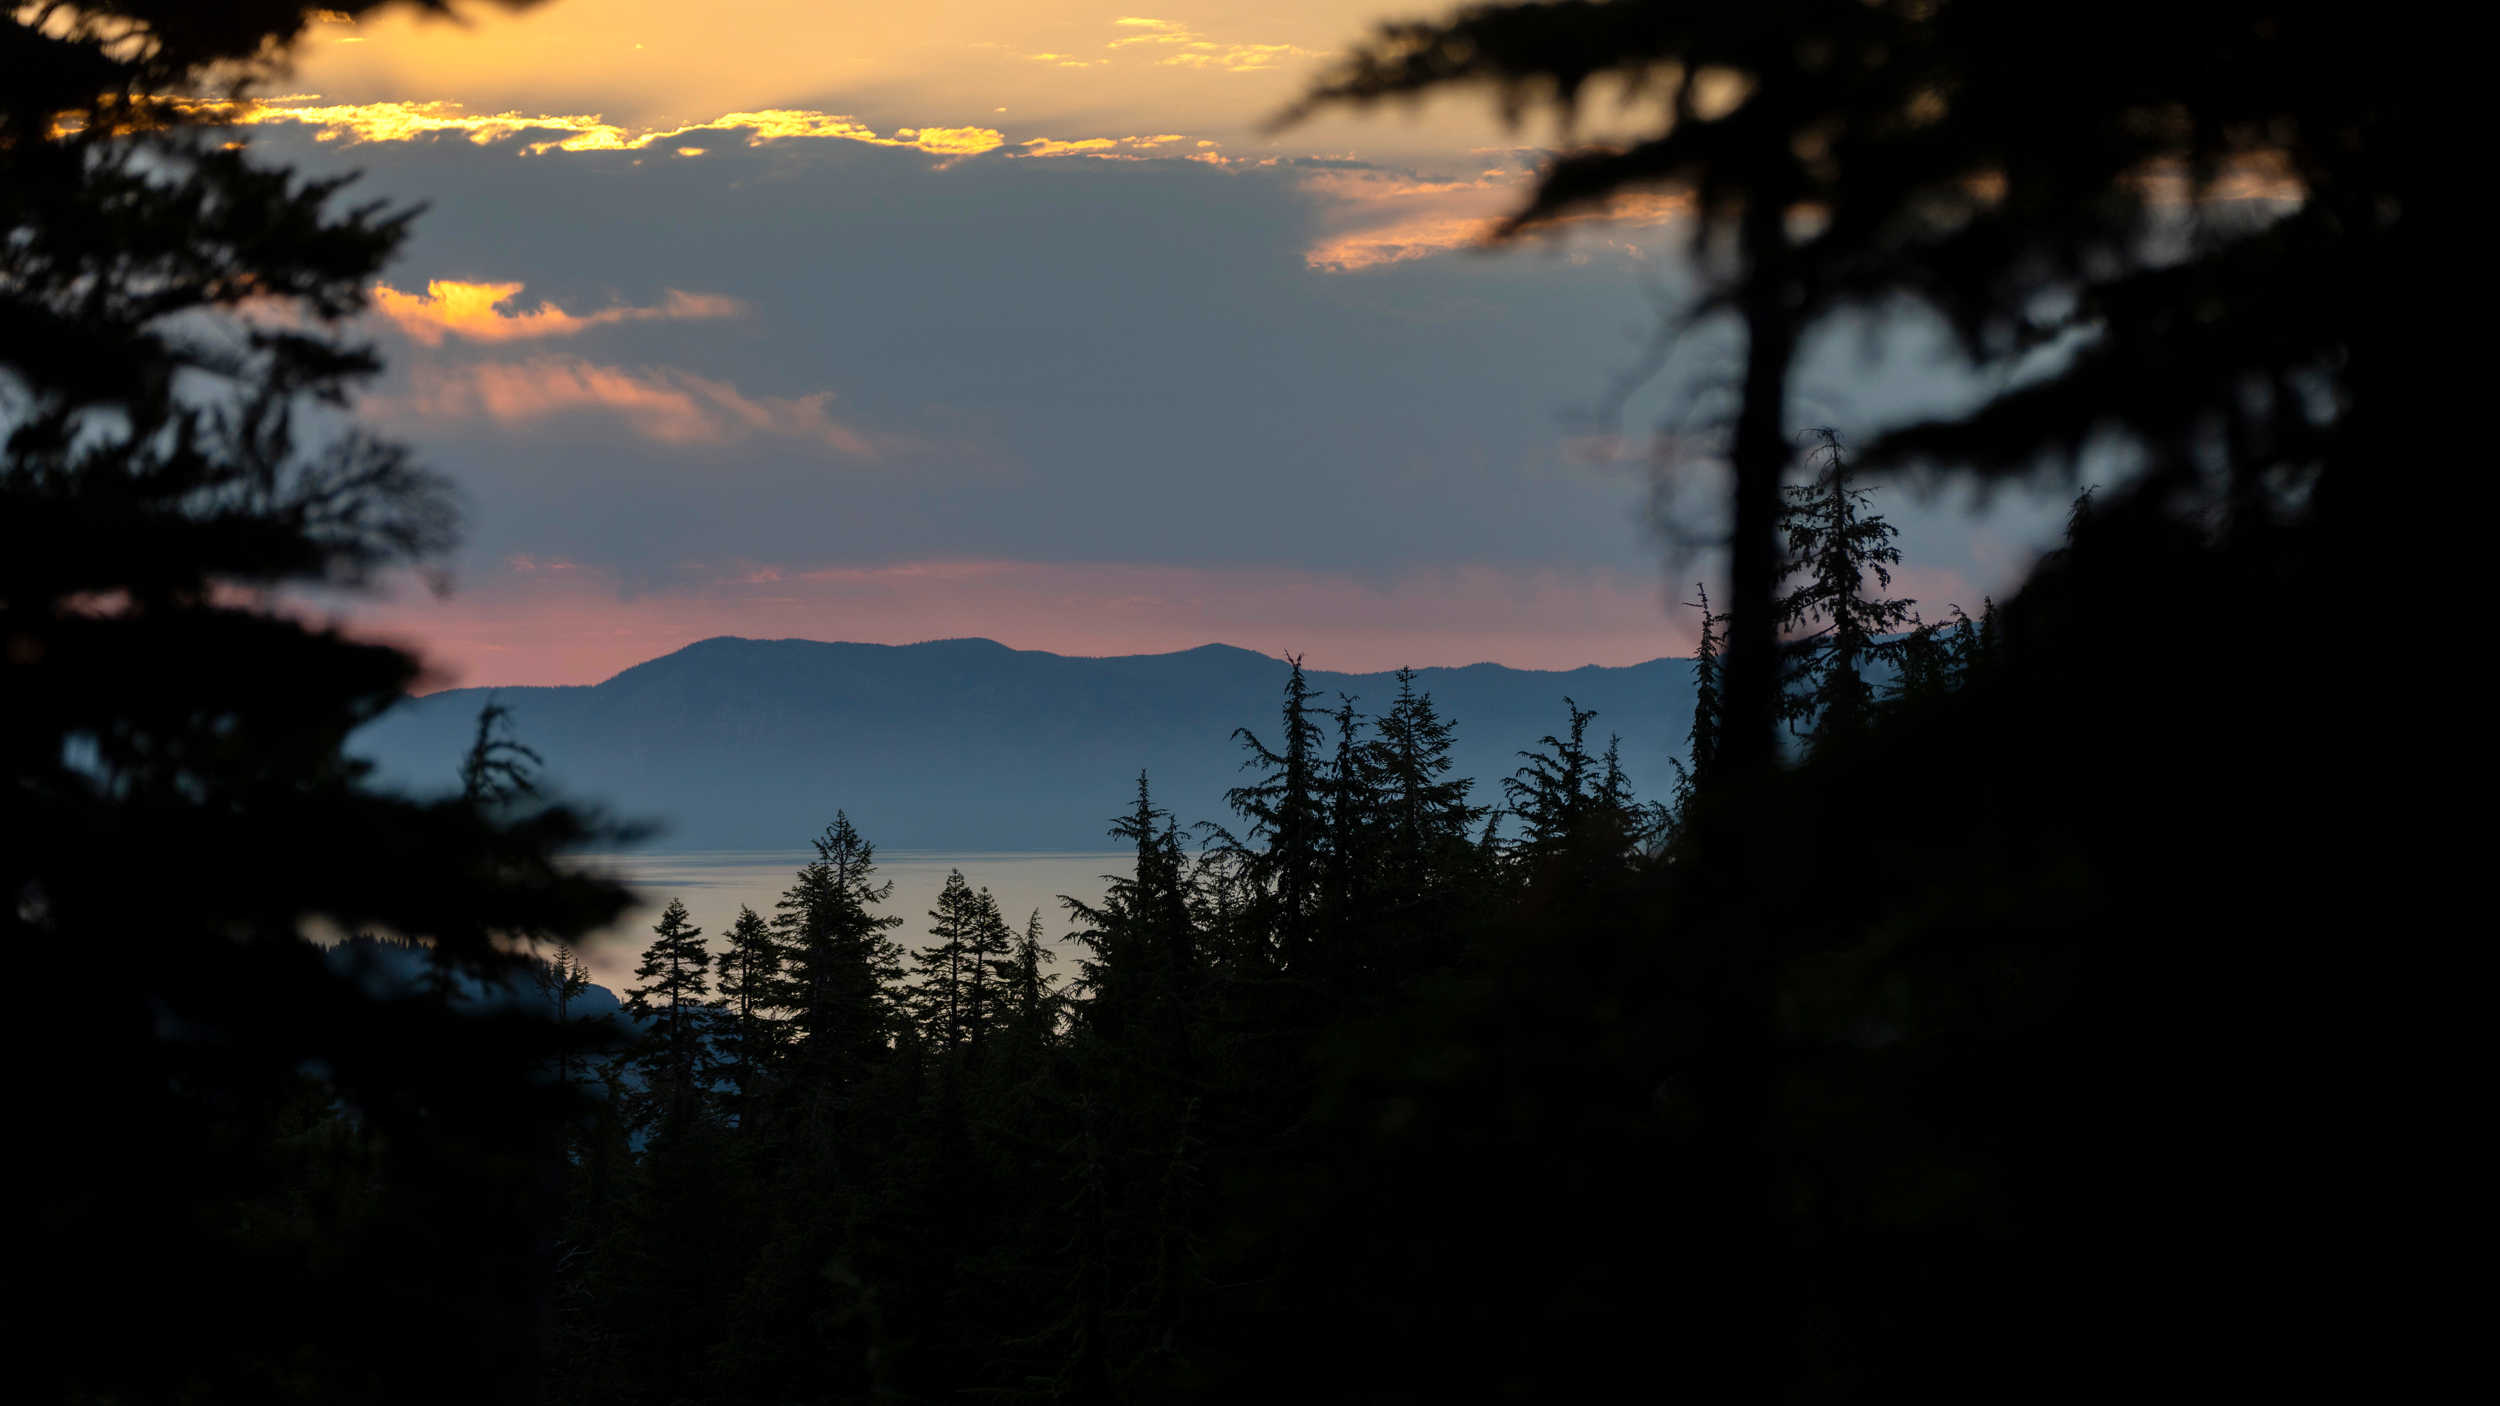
<point>969,745</point>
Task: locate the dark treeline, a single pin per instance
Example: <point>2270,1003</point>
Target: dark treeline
<point>838,1166</point>
<point>854,1157</point>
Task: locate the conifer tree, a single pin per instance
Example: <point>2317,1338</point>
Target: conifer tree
<point>1974,642</point>
<point>991,946</point>
<point>1425,815</point>
<point>1836,544</point>
<point>1922,663</point>
<point>1143,937</point>
<point>1352,790</point>
<point>1616,822</point>
<point>1556,793</point>
<point>1284,864</point>
<point>1138,1057</point>
<point>844,967</point>
<point>1701,740</point>
<point>562,981</point>
<point>755,991</point>
<point>675,1053</point>
<point>945,967</point>
<point>1937,656</point>
<point>1021,977</point>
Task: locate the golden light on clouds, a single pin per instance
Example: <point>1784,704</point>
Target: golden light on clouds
<point>1099,146</point>
<point>399,121</point>
<point>1216,70</point>
<point>658,403</point>
<point>1195,80</point>
<point>1184,47</point>
<point>1376,217</point>
<point>544,133</point>
<point>477,312</point>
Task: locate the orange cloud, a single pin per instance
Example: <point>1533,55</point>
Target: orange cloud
<point>949,141</point>
<point>654,64</point>
<point>1190,49</point>
<point>407,121</point>
<point>1044,146</point>
<point>1097,146</point>
<point>410,121</point>
<point>1385,217</point>
<point>660,403</point>
<point>476,311</point>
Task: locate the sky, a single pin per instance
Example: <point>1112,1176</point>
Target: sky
<point>908,322</point>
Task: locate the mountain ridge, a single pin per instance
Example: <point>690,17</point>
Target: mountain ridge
<point>970,744</point>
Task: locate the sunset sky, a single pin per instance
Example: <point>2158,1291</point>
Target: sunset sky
<point>905,322</point>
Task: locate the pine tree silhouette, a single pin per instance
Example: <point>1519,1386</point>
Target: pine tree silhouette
<point>1701,740</point>
<point>1026,986</point>
<point>1286,860</point>
<point>942,1001</point>
<point>1836,544</point>
<point>298,1154</point>
<point>990,946</point>
<point>756,994</point>
<point>675,1052</point>
<point>845,970</point>
<point>1559,790</point>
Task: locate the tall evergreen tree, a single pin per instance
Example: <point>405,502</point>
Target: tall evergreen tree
<point>941,999</point>
<point>1939,656</point>
<point>1557,792</point>
<point>1974,642</point>
<point>1922,663</point>
<point>675,1054</point>
<point>1425,814</point>
<point>1701,740</point>
<point>1982,157</point>
<point>845,968</point>
<point>991,946</point>
<point>1835,543</point>
<point>1352,790</point>
<point>1285,862</point>
<point>1025,989</point>
<point>562,980</point>
<point>1138,1052</point>
<point>1144,938</point>
<point>755,991</point>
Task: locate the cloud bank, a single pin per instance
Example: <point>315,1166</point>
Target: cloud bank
<point>542,133</point>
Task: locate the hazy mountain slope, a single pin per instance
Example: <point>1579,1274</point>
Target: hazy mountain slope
<point>970,745</point>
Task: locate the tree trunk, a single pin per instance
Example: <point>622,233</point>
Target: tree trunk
<point>1750,702</point>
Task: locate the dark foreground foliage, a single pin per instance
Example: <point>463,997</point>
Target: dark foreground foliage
<point>247,1169</point>
<point>2011,1085</point>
